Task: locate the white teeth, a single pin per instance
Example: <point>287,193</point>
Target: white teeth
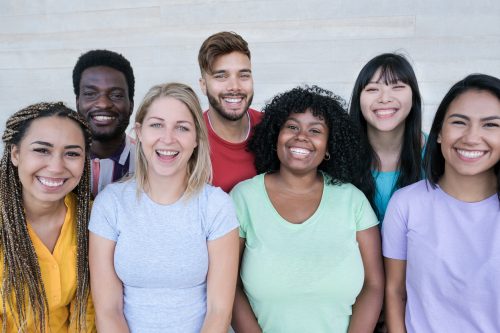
<point>232,100</point>
<point>385,112</point>
<point>470,153</point>
<point>299,151</point>
<point>167,152</point>
<point>51,183</point>
<point>103,118</point>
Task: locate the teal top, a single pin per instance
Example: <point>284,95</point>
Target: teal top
<point>302,277</point>
<point>385,185</point>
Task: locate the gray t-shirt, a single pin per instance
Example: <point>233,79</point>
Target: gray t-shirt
<point>161,253</point>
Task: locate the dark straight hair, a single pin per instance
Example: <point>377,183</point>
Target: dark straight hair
<point>434,159</point>
<point>393,68</point>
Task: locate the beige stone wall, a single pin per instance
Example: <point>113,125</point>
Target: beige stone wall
<point>322,42</point>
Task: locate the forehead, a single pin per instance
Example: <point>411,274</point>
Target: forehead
<point>386,75</point>
<point>475,103</point>
<point>55,130</point>
<point>169,109</point>
<point>231,61</point>
<point>306,117</point>
<point>103,76</point>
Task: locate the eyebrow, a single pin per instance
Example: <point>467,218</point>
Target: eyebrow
<point>163,120</point>
<point>47,144</point>
<point>461,116</point>
<point>312,123</point>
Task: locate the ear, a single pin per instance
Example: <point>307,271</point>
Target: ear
<point>14,155</point>
<point>203,85</point>
<point>439,138</point>
<point>137,129</point>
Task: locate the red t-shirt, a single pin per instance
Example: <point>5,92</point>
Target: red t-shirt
<point>231,162</point>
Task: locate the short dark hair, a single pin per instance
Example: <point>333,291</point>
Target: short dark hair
<point>343,139</point>
<point>393,68</point>
<point>218,44</point>
<point>434,159</point>
<point>106,58</point>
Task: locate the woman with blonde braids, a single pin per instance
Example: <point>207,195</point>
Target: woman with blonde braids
<point>44,204</point>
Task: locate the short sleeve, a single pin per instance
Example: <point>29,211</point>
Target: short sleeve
<point>103,219</point>
<point>365,216</point>
<point>221,216</point>
<point>240,205</point>
<point>395,229</point>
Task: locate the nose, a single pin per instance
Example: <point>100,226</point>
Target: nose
<point>103,101</point>
<point>385,95</point>
<point>472,135</point>
<point>56,163</point>
<point>168,135</point>
<point>302,134</point>
<point>233,84</point>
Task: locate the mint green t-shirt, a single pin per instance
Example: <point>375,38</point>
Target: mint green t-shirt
<point>302,277</point>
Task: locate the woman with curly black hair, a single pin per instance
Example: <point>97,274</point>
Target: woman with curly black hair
<point>309,241</point>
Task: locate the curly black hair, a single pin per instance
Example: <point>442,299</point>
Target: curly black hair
<point>106,58</point>
<point>343,138</point>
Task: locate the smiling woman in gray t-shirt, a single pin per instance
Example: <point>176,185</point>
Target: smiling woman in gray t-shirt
<point>164,244</point>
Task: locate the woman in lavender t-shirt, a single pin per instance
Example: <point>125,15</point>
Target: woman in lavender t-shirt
<point>441,235</point>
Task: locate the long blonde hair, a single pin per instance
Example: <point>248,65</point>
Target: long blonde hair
<point>199,166</point>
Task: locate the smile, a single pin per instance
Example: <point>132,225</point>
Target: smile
<point>470,154</point>
<point>299,151</point>
<point>385,113</point>
<point>51,182</point>
<point>169,153</point>
<point>103,118</point>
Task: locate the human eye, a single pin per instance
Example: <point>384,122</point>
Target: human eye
<point>183,128</point>
<point>371,88</point>
<point>155,125</point>
<point>41,150</point>
<point>245,75</point>
<point>457,122</point>
<point>90,94</point>
<point>219,75</point>
<point>492,124</point>
<point>116,96</point>
<point>315,131</point>
<point>73,153</point>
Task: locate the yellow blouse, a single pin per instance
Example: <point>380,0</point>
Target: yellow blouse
<point>58,271</point>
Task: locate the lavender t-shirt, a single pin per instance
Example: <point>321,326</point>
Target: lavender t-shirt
<point>452,253</point>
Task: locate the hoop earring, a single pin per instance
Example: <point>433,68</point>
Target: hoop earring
<point>327,156</point>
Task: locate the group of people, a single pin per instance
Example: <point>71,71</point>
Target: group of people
<point>309,216</point>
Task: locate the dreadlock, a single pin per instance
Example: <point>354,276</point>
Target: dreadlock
<point>22,289</point>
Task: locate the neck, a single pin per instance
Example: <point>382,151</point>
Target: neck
<point>469,188</point>
<point>387,146</point>
<point>105,149</point>
<point>37,211</point>
<point>166,190</point>
<point>298,184</point>
<point>234,131</point>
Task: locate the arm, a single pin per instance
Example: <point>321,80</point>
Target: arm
<point>366,309</point>
<point>221,281</point>
<point>244,320</point>
<point>107,288</point>
<point>395,295</point>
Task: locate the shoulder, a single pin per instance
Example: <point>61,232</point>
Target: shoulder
<point>249,185</point>
<point>214,196</point>
<point>255,116</point>
<point>418,188</point>
<point>117,190</point>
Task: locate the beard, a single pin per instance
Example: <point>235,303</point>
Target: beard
<point>102,134</point>
<point>214,103</point>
